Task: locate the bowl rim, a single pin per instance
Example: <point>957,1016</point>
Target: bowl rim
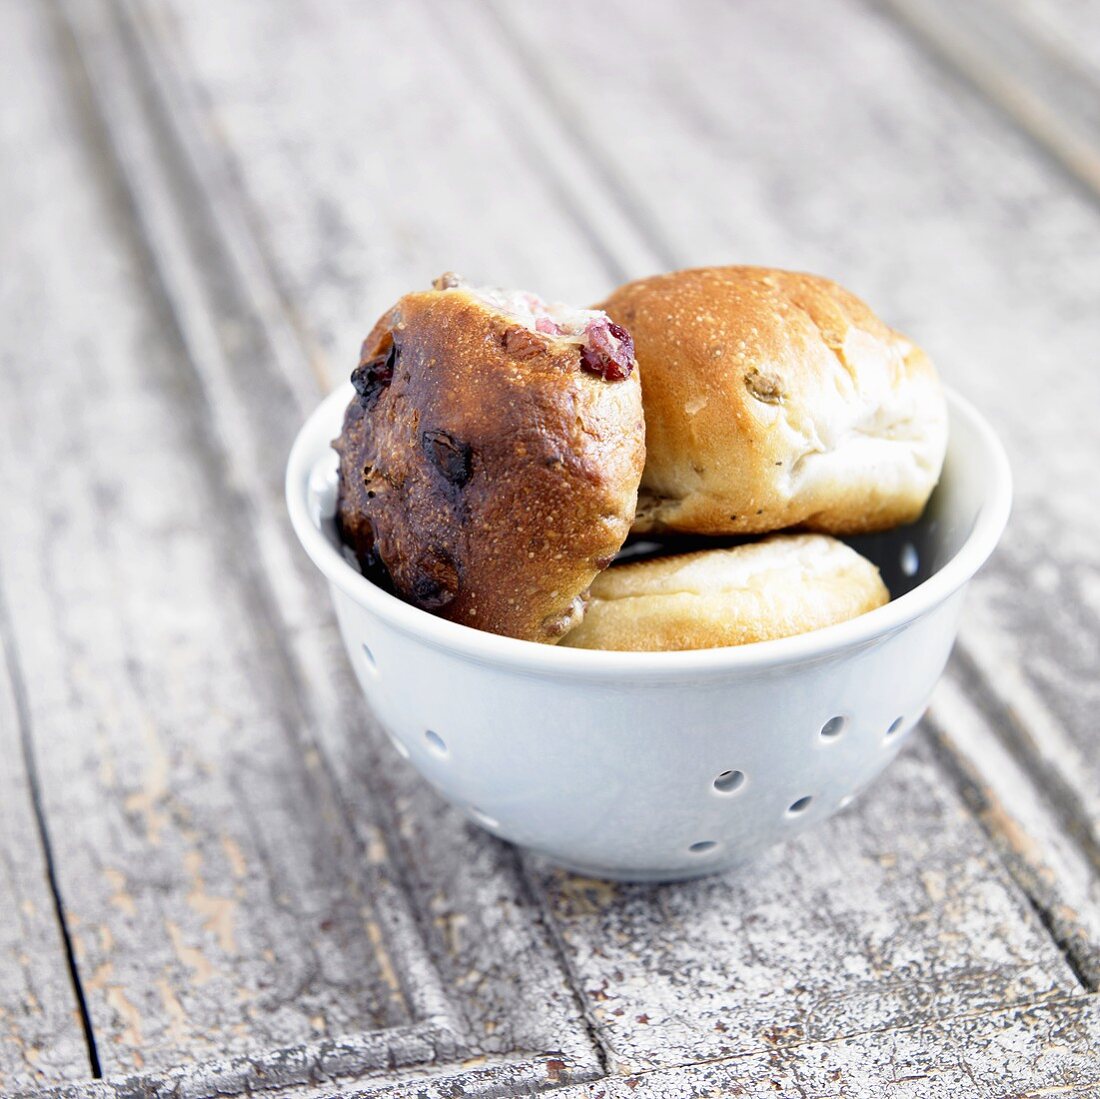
<point>313,442</point>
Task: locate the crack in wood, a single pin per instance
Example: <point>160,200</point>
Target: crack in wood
<point>30,764</point>
<point>1080,951</point>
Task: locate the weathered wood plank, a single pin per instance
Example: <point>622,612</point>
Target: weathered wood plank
<point>1040,65</point>
<point>1050,1050</point>
<point>41,1039</point>
<point>1047,1050</point>
<point>1068,32</point>
<point>1041,1050</point>
<point>413,151</point>
<point>217,900</point>
<point>1033,837</point>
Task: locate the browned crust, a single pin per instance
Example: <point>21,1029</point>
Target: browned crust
<point>493,478</point>
<point>744,371</point>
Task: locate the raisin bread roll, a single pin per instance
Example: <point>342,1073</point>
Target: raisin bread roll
<point>490,460</point>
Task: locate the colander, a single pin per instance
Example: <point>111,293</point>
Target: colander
<point>661,766</point>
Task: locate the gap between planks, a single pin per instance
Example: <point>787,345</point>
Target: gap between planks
<point>9,668</point>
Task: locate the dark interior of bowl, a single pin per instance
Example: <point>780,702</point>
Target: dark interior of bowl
<point>909,555</point>
<point>905,557</point>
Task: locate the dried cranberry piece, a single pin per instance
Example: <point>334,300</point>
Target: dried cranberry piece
<point>609,351</point>
<point>373,375</point>
<point>448,455</point>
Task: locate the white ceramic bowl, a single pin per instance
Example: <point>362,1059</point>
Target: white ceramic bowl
<point>657,766</point>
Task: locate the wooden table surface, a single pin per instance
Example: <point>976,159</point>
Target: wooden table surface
<point>215,875</point>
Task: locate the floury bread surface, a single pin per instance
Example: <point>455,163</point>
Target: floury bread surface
<point>774,400</point>
<point>783,585</point>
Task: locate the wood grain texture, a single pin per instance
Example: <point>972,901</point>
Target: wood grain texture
<point>1033,837</point>
<point>216,899</point>
<point>414,165</point>
<point>1051,1050</point>
<point>890,915</point>
<point>1068,32</point>
<point>1039,63</point>
<point>1048,1050</point>
<point>41,1039</point>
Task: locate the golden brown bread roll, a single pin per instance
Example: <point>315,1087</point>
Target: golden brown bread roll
<point>782,585</point>
<point>775,399</point>
<point>489,463</point>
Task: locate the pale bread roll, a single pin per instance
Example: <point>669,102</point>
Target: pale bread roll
<point>775,399</point>
<point>783,585</point>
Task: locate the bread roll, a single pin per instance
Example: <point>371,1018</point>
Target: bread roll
<point>775,399</point>
<point>786,584</point>
<point>489,463</point>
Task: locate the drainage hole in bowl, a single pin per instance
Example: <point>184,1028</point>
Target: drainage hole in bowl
<point>832,728</point>
<point>703,846</point>
<point>368,659</point>
<point>483,819</point>
<point>910,559</point>
<point>729,781</point>
<point>895,725</point>
<point>436,742</point>
<point>799,806</point>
